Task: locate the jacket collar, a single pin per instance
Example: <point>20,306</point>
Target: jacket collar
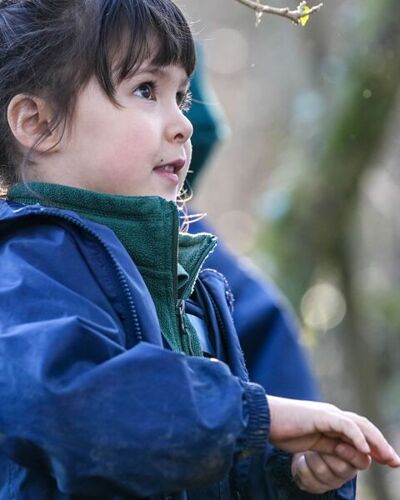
<point>147,226</point>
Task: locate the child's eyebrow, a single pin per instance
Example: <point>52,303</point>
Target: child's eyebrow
<point>161,73</point>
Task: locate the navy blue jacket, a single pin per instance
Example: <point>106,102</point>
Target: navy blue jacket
<point>92,404</point>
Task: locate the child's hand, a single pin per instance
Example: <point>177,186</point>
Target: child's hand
<point>299,426</point>
<point>318,473</point>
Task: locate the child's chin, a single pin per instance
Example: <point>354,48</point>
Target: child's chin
<point>169,197</point>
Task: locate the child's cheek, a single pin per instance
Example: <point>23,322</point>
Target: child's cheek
<point>188,151</point>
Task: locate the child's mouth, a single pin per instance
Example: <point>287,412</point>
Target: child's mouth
<point>170,170</point>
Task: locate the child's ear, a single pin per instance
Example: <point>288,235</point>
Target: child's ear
<point>29,118</point>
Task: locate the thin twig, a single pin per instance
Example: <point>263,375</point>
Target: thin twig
<point>294,15</point>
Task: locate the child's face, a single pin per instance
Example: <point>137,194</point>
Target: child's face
<point>139,149</point>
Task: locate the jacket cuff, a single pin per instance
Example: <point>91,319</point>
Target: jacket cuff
<point>258,423</point>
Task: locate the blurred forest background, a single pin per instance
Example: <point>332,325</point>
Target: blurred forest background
<point>307,184</point>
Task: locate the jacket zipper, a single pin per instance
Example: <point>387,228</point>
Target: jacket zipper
<point>120,274</point>
<point>220,321</point>
<point>185,337</point>
<point>179,303</point>
<point>187,292</point>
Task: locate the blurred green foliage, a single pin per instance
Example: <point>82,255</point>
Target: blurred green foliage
<point>313,234</point>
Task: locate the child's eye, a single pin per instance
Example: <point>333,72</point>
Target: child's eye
<point>146,91</point>
<point>184,100</point>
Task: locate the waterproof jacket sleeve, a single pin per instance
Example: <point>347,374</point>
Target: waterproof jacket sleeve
<point>97,416</point>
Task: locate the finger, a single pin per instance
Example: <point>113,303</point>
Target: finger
<point>326,475</point>
<point>381,451</point>
<point>347,428</point>
<point>349,454</point>
<point>342,470</point>
<point>314,442</point>
<point>306,480</point>
<point>326,444</point>
<point>385,457</point>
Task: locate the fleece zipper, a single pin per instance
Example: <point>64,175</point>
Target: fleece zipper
<point>188,290</point>
<point>179,304</point>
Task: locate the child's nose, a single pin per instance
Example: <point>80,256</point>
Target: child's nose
<point>180,129</point>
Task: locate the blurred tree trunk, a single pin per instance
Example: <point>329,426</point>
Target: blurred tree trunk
<point>315,232</point>
<point>362,364</point>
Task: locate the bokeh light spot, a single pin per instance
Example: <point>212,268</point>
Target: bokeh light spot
<point>323,307</point>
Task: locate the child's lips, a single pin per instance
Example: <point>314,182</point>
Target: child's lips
<point>170,170</point>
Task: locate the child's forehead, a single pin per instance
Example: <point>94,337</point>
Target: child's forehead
<point>173,72</point>
<point>163,72</point>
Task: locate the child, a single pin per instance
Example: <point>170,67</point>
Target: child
<point>98,398</point>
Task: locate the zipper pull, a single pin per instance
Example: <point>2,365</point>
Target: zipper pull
<point>180,306</point>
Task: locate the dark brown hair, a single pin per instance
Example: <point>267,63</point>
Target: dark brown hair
<point>51,48</point>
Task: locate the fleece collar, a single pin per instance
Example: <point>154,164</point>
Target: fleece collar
<point>148,228</point>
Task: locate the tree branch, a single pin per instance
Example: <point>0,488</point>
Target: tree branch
<point>295,15</point>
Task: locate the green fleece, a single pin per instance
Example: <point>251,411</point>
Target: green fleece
<point>148,227</point>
